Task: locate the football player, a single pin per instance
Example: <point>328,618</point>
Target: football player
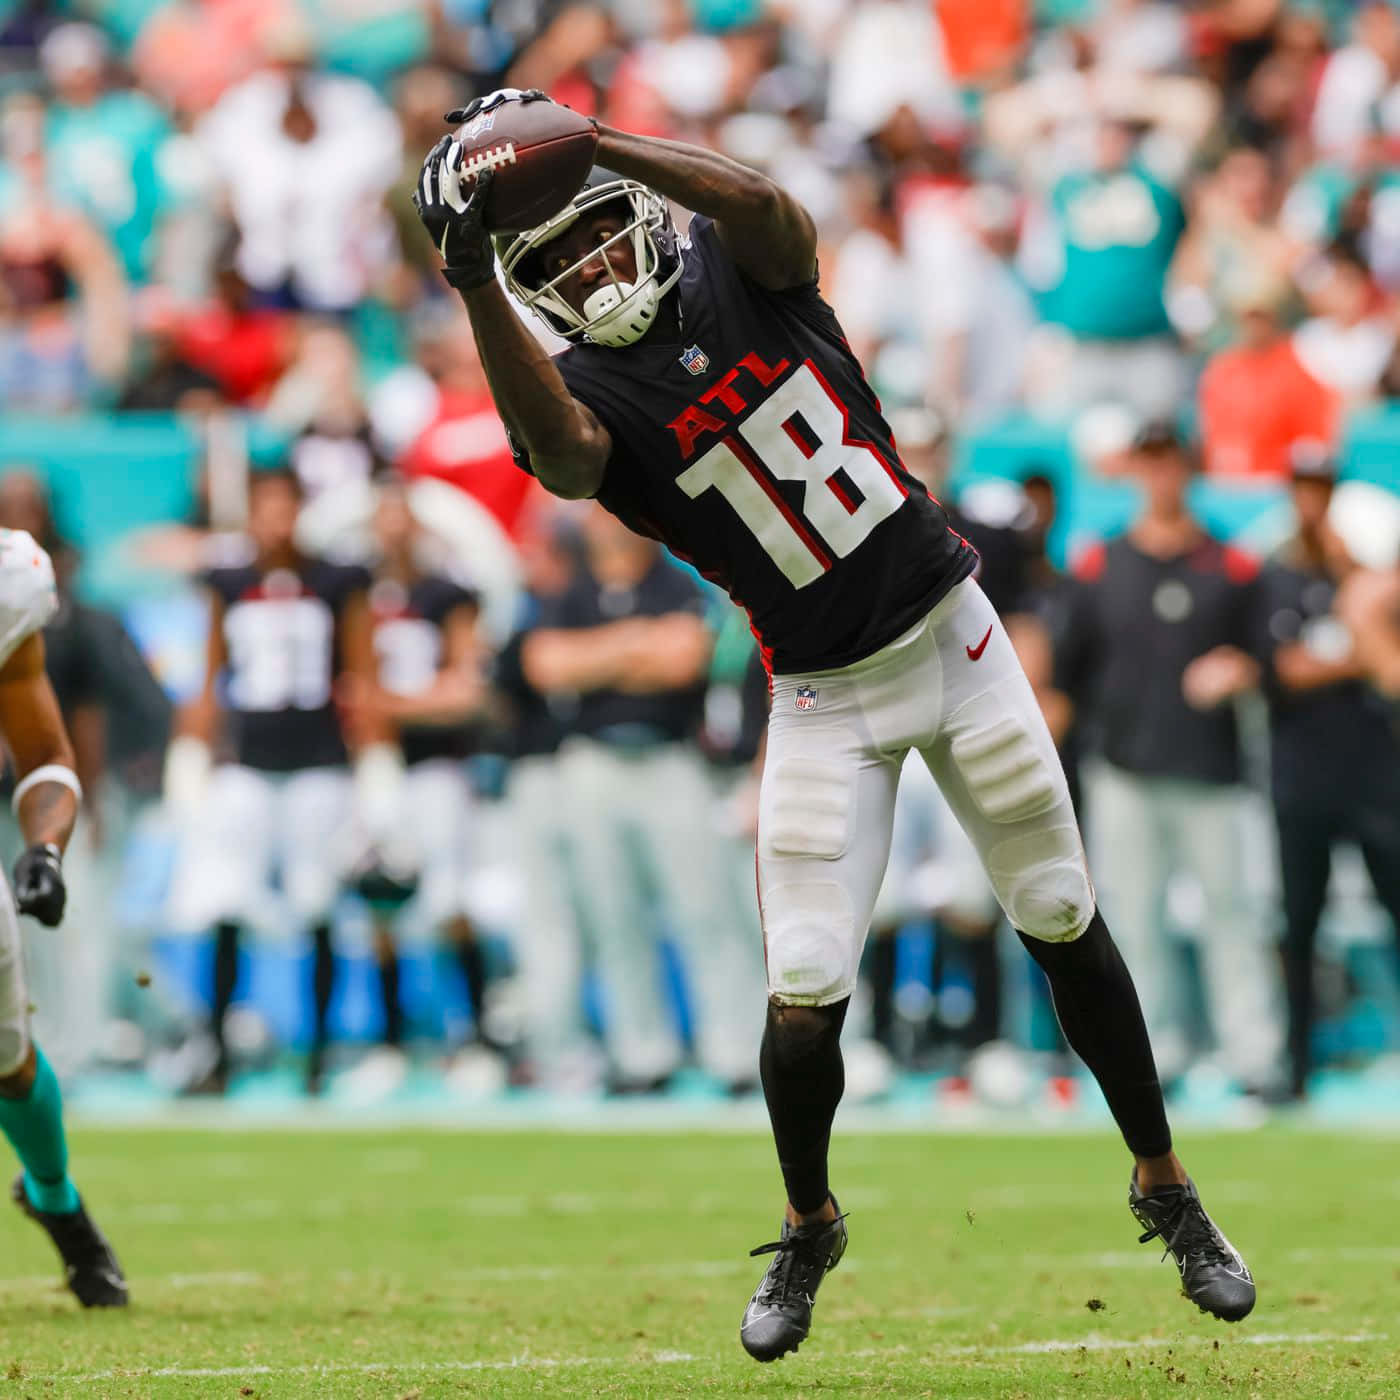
<point>46,801</point>
<point>282,627</point>
<point>413,727</point>
<point>709,399</point>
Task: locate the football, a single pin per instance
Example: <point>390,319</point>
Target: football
<point>541,153</point>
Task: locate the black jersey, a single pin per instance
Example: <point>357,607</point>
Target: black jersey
<point>754,448</point>
<point>1138,622</point>
<point>409,646</point>
<point>280,633</point>
<point>611,716</point>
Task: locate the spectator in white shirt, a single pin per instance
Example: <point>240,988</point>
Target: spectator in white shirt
<point>1348,342</point>
<point>306,242</point>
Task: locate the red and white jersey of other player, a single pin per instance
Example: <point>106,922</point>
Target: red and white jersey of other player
<point>465,443</point>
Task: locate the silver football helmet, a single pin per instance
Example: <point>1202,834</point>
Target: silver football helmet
<point>616,312</point>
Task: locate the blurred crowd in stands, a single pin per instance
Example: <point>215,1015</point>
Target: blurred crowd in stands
<point>499,778</point>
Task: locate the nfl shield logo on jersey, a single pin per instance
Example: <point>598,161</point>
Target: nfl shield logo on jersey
<point>695,360</point>
<point>806,698</point>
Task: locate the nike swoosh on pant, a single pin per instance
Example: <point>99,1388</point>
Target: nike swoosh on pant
<point>975,653</point>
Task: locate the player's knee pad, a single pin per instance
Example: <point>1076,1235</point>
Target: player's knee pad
<point>810,938</point>
<point>1006,773</point>
<point>808,808</point>
<point>1043,885</point>
<point>14,1049</point>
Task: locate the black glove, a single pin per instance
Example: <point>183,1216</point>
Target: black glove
<point>455,223</point>
<point>491,100</point>
<point>39,887</point>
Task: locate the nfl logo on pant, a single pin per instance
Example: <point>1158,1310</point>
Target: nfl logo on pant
<point>806,698</point>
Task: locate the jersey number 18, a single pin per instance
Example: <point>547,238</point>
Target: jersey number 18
<point>799,433</point>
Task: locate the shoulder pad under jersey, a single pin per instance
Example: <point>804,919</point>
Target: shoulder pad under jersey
<point>28,594</point>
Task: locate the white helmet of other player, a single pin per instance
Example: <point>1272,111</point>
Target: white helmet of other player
<point>617,312</point>
<point>28,593</point>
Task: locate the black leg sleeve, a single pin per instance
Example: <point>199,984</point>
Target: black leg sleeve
<point>322,984</point>
<point>471,958</point>
<point>389,991</point>
<point>225,981</point>
<point>1305,860</point>
<point>803,1079</point>
<point>1102,1020</point>
<point>880,956</point>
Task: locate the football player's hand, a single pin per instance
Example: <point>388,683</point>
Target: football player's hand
<point>492,100</point>
<point>39,887</point>
<point>1219,675</point>
<point>455,221</point>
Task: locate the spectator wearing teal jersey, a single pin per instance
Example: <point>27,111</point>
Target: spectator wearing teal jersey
<point>1105,151</point>
<point>1116,227</point>
<point>104,145</point>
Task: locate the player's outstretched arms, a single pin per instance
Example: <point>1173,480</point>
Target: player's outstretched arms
<point>46,795</point>
<point>767,232</point>
<point>32,725</point>
<point>567,446</point>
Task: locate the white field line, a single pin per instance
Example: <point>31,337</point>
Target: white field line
<point>683,1269</point>
<point>1050,1346</point>
<point>855,1197</point>
<point>705,1118</point>
<point>489,1206</point>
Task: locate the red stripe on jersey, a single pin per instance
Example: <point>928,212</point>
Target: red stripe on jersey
<point>846,437</point>
<point>797,440</point>
<point>837,490</point>
<point>759,475</point>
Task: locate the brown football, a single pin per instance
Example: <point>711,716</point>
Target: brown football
<point>541,154</point>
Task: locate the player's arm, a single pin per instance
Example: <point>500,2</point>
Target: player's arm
<point>639,656</point>
<point>580,659</point>
<point>199,719</point>
<point>567,446</point>
<point>674,654</point>
<point>355,634</point>
<point>1298,668</point>
<point>189,756</point>
<point>766,231</point>
<point>1369,603</point>
<point>459,690</point>
<point>47,791</point>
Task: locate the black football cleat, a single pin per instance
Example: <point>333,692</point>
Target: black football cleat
<point>779,1314</point>
<point>1213,1272</point>
<point>94,1276</point>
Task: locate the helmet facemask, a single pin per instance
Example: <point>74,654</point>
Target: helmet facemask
<point>616,312</point>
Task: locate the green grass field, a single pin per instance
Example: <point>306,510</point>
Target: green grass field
<point>422,1264</point>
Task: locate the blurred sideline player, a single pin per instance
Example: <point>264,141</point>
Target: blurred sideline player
<point>549,944</point>
<point>412,723</point>
<point>282,626</point>
<point>710,400</point>
<point>629,647</point>
<point>46,802</point>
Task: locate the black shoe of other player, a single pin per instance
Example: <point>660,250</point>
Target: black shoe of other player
<point>94,1276</point>
<point>1213,1272</point>
<point>779,1314</point>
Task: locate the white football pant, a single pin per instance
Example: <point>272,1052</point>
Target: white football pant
<point>253,824</point>
<point>952,688</point>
